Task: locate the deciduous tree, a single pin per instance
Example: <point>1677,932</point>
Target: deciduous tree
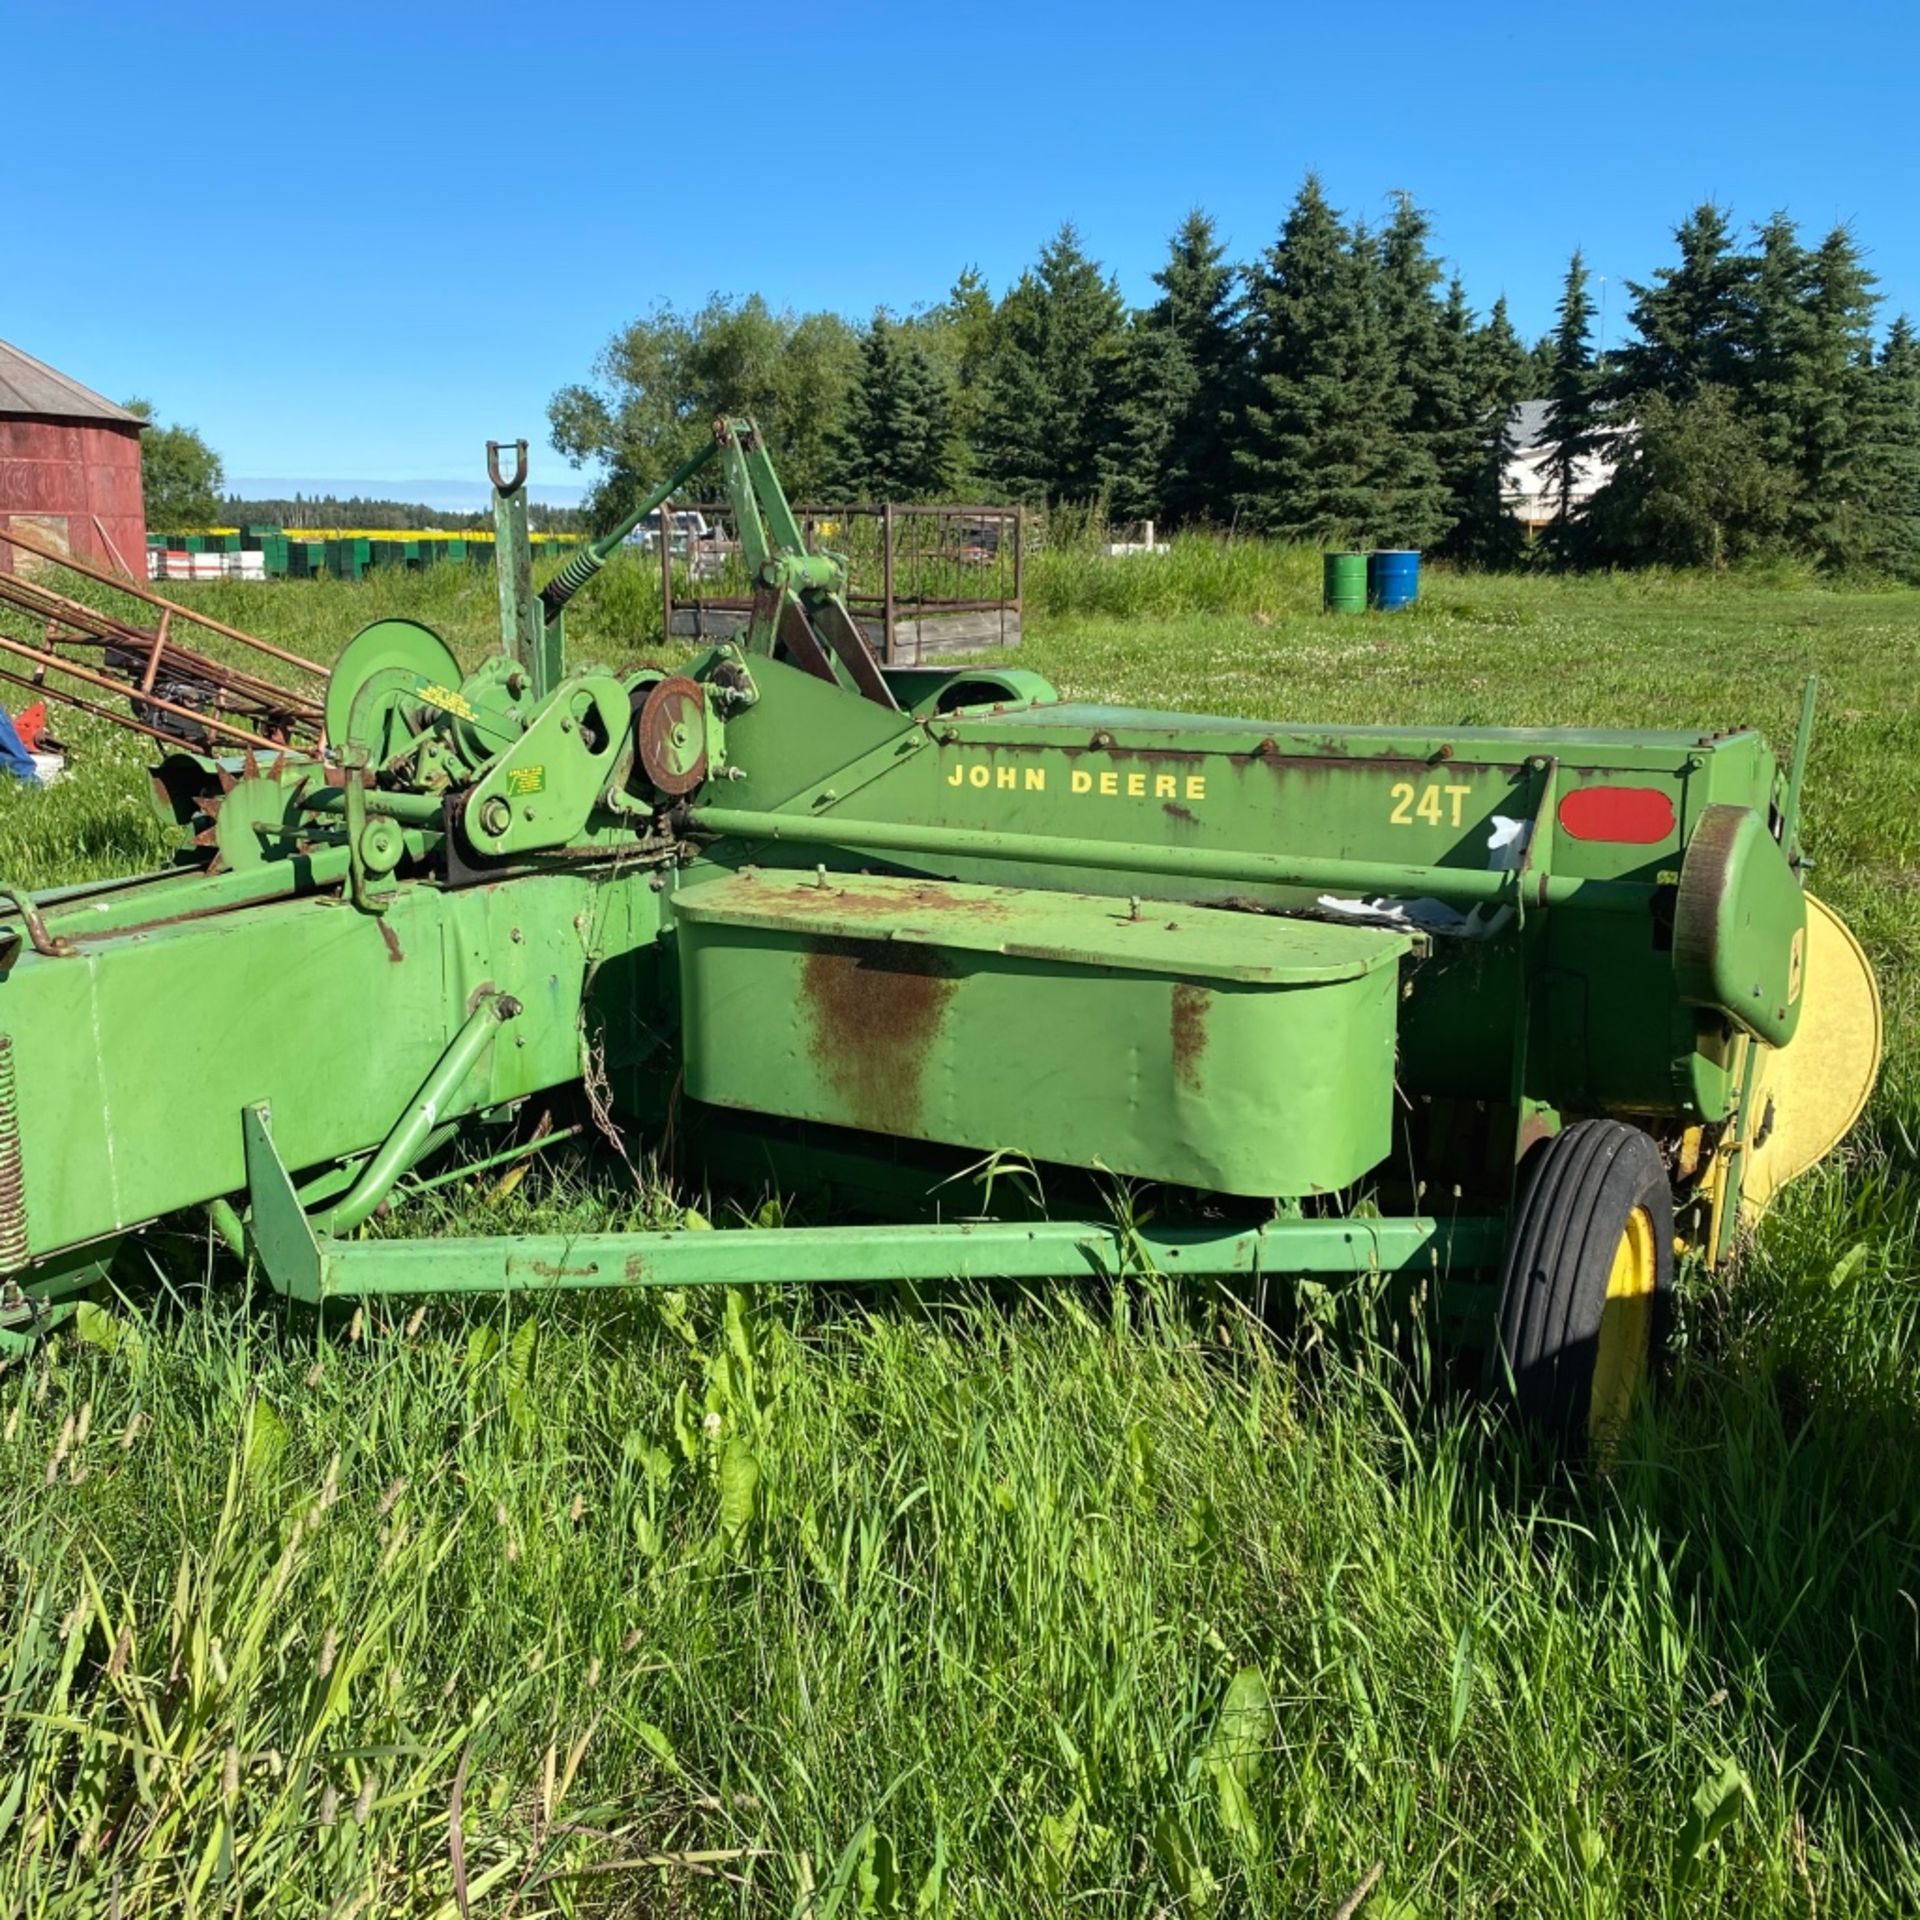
<point>180,475</point>
<point>659,383</point>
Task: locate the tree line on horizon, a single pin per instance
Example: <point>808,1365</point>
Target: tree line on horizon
<point>1339,388</point>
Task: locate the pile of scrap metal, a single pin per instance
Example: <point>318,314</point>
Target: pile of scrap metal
<point>178,695</point>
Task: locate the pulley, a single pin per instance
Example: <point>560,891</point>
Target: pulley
<point>672,734</point>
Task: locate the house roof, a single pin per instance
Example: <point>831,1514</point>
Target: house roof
<point>30,386</point>
<point>1527,424</point>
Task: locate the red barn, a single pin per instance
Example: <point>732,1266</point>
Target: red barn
<point>69,468</point>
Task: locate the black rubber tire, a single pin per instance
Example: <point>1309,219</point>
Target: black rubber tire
<point>1579,1191</point>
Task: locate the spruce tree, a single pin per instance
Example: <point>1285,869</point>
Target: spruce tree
<point>1428,406</point>
<point>896,440</point>
<point>1774,372</point>
<point>1892,447</point>
<point>1540,369</point>
<point>1451,413</point>
<point>1157,386</point>
<point>959,334</point>
<point>1573,430</point>
<point>1488,533</point>
<point>1692,320</point>
<point>1175,420</point>
<point>1320,395</point>
<point>1835,513</point>
<point>1692,486</point>
<point>1198,309</point>
<point>1057,377</point>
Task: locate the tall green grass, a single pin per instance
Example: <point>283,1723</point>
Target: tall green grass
<point>1079,1600</point>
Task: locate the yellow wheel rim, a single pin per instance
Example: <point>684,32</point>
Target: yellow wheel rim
<point>1626,1326</point>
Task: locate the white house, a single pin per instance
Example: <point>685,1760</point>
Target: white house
<point>1524,490</point>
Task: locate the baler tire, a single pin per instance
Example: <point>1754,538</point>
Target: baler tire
<point>1587,1283</point>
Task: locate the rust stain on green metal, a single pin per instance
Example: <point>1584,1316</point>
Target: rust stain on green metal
<point>1189,1033</point>
<point>875,1012</point>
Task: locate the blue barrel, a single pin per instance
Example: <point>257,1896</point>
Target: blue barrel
<point>1393,579</point>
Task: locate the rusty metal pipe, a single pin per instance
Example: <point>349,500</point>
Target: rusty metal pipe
<point>93,707</point>
<point>101,680</point>
<point>14,537</point>
<point>92,628</point>
<point>51,945</point>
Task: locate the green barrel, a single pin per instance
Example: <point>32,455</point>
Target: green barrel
<point>1344,583</point>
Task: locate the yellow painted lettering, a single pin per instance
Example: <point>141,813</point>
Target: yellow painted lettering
<point>958,776</point>
<point>1196,786</point>
<point>1036,779</point>
<point>1008,777</point>
<point>1459,797</point>
<point>1402,794</point>
<point>980,775</point>
<point>1429,807</point>
<point>1165,786</point>
<point>1110,783</point>
<point>1082,781</point>
<point>1136,786</point>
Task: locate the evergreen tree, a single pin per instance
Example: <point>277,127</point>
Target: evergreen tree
<point>959,333</point>
<point>896,441</point>
<point>1693,319</point>
<point>1452,414</point>
<point>1893,452</point>
<point>1488,533</point>
<point>1540,358</point>
<point>1176,417</point>
<point>1057,377</point>
<point>1429,408</point>
<point>1157,387</point>
<point>1198,308</point>
<point>1321,393</point>
<point>1776,343</point>
<point>1572,431</point>
<point>1835,512</point>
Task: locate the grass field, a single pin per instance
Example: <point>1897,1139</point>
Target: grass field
<point>1070,1602</point>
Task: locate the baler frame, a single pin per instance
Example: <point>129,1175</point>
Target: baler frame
<point>1335,1059</point>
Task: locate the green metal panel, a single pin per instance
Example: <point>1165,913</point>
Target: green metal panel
<point>1056,1025</point>
<point>1344,583</point>
<point>1354,813</point>
<point>307,1006</point>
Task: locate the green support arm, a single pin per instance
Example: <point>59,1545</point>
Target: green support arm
<point>310,1266</point>
<point>591,558</point>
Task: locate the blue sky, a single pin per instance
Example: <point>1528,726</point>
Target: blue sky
<point>356,243</point>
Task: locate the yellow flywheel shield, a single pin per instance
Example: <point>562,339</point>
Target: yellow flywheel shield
<point>1809,1094</point>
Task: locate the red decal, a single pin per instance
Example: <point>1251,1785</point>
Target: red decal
<point>1627,816</point>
